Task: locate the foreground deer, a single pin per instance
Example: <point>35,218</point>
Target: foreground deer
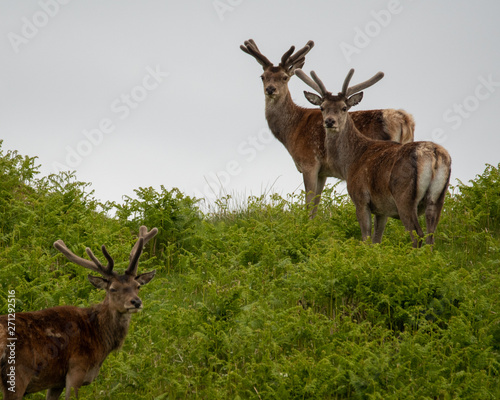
<point>64,347</point>
<point>383,178</point>
<point>301,129</point>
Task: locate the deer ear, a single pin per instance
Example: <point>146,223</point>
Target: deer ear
<point>354,99</point>
<point>145,278</point>
<point>98,282</point>
<point>313,98</point>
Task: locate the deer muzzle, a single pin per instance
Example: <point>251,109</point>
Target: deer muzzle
<point>270,90</point>
<point>136,305</point>
<point>330,123</point>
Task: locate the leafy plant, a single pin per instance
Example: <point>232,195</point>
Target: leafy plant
<point>257,301</point>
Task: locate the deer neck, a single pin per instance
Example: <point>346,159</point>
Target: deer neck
<point>113,326</point>
<point>282,115</point>
<point>345,147</point>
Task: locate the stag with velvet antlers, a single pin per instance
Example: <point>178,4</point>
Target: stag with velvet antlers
<point>301,130</point>
<point>64,347</point>
<point>386,179</point>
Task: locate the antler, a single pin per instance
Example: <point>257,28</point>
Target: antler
<point>298,59</point>
<point>287,60</point>
<point>94,265</point>
<point>346,82</point>
<point>360,86</point>
<point>347,91</point>
<point>144,237</point>
<point>251,48</point>
<point>314,83</point>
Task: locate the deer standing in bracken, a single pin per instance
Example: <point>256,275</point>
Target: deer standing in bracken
<point>64,347</point>
<point>383,178</point>
<point>301,130</point>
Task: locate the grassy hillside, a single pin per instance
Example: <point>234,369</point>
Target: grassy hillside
<point>262,303</point>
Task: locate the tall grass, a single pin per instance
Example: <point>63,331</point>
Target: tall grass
<point>256,301</point>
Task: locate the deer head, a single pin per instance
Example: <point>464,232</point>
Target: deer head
<point>275,78</point>
<point>335,107</point>
<point>121,290</point>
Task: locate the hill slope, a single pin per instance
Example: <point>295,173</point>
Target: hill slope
<point>262,303</point>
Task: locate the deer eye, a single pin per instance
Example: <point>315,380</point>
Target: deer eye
<point>285,78</point>
<point>321,108</point>
<point>344,109</point>
<point>262,77</point>
<point>113,290</point>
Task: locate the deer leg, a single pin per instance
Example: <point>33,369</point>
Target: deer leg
<point>320,184</point>
<point>431,219</point>
<point>379,227</point>
<point>410,222</point>
<point>17,395</point>
<point>432,214</point>
<point>20,388</point>
<point>53,394</point>
<point>74,379</point>
<point>311,184</point>
<point>8,395</point>
<point>364,216</point>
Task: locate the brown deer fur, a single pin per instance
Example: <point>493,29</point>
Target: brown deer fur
<point>301,130</point>
<point>386,179</point>
<point>64,347</point>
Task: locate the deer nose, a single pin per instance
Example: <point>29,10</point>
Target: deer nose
<point>137,303</point>
<point>329,122</point>
<point>270,89</point>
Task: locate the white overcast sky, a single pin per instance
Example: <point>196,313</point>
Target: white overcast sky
<point>178,103</point>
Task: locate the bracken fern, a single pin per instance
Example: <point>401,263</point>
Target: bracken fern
<point>257,301</point>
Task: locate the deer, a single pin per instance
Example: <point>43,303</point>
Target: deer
<point>64,347</point>
<point>301,130</point>
<point>384,178</point>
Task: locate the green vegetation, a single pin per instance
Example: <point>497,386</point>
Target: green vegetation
<point>262,303</point>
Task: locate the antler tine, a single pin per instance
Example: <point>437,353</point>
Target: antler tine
<point>144,237</point>
<point>134,258</point>
<point>366,84</point>
<point>297,59</point>
<point>286,56</point>
<point>111,263</point>
<point>108,270</point>
<point>302,52</point>
<point>321,85</point>
<point>147,236</point>
<point>244,47</point>
<point>346,82</point>
<point>251,48</point>
<point>94,266</point>
<point>94,258</point>
<point>252,42</point>
<point>308,81</point>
